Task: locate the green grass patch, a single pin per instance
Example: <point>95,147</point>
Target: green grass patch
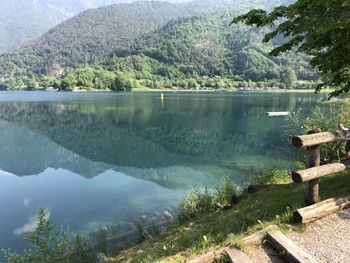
<point>215,229</point>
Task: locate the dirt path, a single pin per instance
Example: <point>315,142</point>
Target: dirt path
<point>328,239</point>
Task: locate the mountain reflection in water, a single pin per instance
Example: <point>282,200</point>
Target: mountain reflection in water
<point>103,159</point>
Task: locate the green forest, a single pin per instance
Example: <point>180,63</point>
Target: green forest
<point>168,49</point>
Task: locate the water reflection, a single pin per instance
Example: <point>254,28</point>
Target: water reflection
<point>137,131</point>
<point>101,159</point>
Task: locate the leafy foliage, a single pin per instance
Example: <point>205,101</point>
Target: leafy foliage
<point>271,176</point>
<point>200,202</point>
<point>207,46</point>
<point>225,191</point>
<point>328,120</point>
<point>317,28</point>
<point>96,78</point>
<point>48,246</point>
<point>196,203</point>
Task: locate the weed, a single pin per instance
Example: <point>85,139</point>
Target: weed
<point>224,258</point>
<point>102,243</point>
<point>195,204</point>
<point>225,191</point>
<point>271,176</point>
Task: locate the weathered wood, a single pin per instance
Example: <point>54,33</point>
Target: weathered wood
<point>321,209</point>
<point>311,186</point>
<point>291,252</point>
<point>209,257</point>
<point>257,237</point>
<point>317,172</point>
<point>237,256</point>
<point>278,113</point>
<point>309,140</point>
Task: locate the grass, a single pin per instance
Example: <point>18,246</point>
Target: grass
<point>217,229</point>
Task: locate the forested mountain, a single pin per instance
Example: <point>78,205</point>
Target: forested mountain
<point>208,46</point>
<point>151,44</point>
<point>87,38</point>
<point>23,20</point>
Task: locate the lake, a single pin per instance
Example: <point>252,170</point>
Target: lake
<point>107,159</point>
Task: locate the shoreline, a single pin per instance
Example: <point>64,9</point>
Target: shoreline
<point>177,91</point>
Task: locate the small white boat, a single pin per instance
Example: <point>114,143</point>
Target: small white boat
<point>278,113</point>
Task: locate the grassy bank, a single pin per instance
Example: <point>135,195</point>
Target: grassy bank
<point>215,229</point>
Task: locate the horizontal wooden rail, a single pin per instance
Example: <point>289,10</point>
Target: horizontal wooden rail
<point>319,138</point>
<point>317,172</point>
<point>321,209</point>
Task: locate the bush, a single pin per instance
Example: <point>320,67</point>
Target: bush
<point>48,246</point>
<point>328,119</point>
<point>195,204</point>
<point>225,191</point>
<point>271,176</point>
<point>200,202</point>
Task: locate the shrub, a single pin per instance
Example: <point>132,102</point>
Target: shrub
<point>271,176</point>
<point>196,203</point>
<point>48,246</point>
<point>328,119</point>
<point>225,191</point>
<point>200,202</point>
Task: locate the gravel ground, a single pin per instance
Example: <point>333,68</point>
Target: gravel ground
<point>328,239</point>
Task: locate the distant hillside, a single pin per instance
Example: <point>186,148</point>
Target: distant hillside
<point>23,20</point>
<point>151,44</point>
<point>90,35</point>
<point>87,38</point>
<point>208,46</point>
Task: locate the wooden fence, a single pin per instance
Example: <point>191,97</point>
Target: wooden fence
<point>312,143</point>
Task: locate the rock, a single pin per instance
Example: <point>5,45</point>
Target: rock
<point>146,235</point>
<point>101,257</point>
<point>168,215</point>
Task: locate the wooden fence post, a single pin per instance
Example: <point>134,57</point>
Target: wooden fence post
<point>313,159</point>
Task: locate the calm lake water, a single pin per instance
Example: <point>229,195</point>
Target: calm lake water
<point>102,159</point>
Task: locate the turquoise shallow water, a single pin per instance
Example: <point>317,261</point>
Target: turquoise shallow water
<point>97,159</point>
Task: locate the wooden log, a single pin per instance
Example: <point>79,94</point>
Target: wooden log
<point>312,187</point>
<point>321,209</point>
<point>317,172</point>
<point>237,256</point>
<point>309,140</point>
<point>247,241</point>
<point>291,252</point>
<point>257,237</point>
<point>209,257</point>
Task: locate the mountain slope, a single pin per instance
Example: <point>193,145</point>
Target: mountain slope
<point>87,38</point>
<point>179,47</point>
<point>196,52</point>
<point>23,20</point>
<point>100,30</point>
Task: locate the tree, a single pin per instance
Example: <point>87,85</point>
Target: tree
<point>317,28</point>
<point>289,78</point>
